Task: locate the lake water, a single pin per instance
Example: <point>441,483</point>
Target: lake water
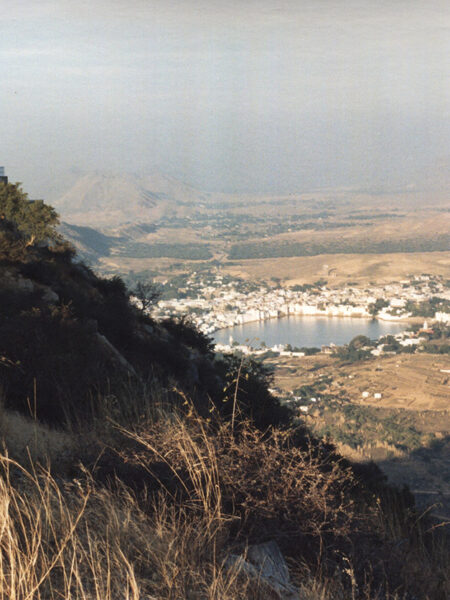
<point>307,331</point>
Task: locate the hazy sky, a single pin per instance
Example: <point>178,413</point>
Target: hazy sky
<point>228,95</point>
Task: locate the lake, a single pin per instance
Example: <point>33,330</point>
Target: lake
<point>307,331</point>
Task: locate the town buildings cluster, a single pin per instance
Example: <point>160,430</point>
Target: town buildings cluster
<point>213,303</point>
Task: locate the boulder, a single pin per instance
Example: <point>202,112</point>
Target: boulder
<point>115,354</point>
<point>49,296</point>
<point>264,565</point>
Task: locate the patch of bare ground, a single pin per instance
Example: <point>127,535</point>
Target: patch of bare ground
<point>343,268</point>
<point>291,372</point>
<point>412,381</point>
<point>415,382</point>
<point>356,270</point>
<point>124,264</point>
<point>170,235</point>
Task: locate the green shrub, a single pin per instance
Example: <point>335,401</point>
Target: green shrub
<point>35,220</point>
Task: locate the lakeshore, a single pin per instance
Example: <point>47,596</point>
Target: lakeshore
<point>306,331</point>
<point>403,320</point>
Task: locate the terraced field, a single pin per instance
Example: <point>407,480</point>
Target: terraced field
<point>416,382</point>
<point>406,381</point>
<point>406,431</point>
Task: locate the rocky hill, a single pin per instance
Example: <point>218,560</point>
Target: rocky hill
<point>112,200</point>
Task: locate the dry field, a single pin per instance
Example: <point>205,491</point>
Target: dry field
<point>405,381</point>
<point>410,381</point>
<point>338,269</point>
<point>415,395</point>
<point>290,373</point>
<point>344,268</point>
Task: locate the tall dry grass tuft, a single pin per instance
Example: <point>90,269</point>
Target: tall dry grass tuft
<point>417,545</point>
<point>251,479</point>
<point>79,542</point>
<point>55,543</point>
<point>29,440</point>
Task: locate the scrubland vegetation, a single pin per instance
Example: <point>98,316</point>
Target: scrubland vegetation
<point>185,251</point>
<point>135,461</point>
<point>364,246</point>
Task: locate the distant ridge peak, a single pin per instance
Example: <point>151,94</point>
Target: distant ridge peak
<point>110,199</point>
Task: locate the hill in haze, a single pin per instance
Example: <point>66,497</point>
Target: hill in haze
<point>90,243</point>
<point>112,200</point>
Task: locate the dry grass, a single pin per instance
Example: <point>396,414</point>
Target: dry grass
<point>84,543</point>
<point>52,547</point>
<point>205,492</point>
<point>272,487</point>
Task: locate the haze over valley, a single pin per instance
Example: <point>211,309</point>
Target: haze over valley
<point>128,221</point>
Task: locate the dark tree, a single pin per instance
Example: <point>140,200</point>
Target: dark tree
<point>376,306</point>
<point>147,293</point>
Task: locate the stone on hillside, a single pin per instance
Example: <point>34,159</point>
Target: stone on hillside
<point>265,566</point>
<point>50,296</point>
<point>115,354</point>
